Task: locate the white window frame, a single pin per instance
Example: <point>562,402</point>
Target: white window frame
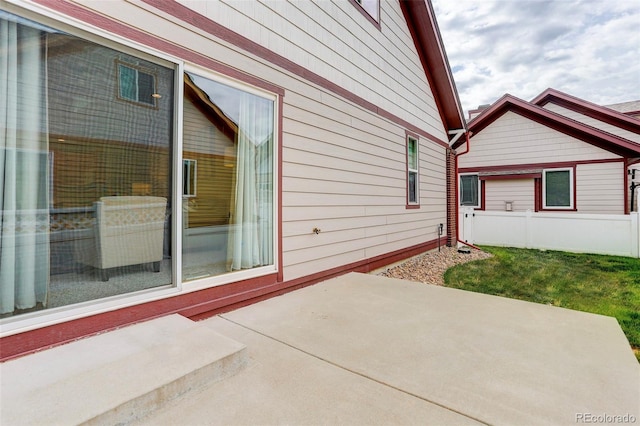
<point>43,318</point>
<point>214,281</point>
<point>571,188</point>
<point>39,319</point>
<point>415,171</point>
<point>479,195</point>
<point>189,192</point>
<point>152,103</point>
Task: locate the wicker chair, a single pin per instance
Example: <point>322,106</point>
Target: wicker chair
<point>129,230</point>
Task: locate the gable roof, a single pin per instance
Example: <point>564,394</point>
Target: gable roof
<point>589,109</point>
<point>583,132</point>
<point>627,108</point>
<point>424,29</point>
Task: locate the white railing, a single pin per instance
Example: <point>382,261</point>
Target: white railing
<point>580,233</point>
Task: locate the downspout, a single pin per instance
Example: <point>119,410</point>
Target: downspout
<point>457,134</point>
<point>458,193</point>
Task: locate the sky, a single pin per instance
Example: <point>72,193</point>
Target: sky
<point>586,48</point>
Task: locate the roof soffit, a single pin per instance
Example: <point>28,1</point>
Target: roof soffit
<point>424,30</point>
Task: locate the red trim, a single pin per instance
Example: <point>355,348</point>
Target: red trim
<point>200,303</point>
<point>185,14</point>
<point>196,305</point>
<point>510,176</point>
<point>483,195</point>
<point>364,13</point>
<point>560,123</point>
<point>92,18</point>
<point>424,30</point>
<point>589,109</point>
<point>550,165</point>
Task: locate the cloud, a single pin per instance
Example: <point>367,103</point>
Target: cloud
<point>587,48</point>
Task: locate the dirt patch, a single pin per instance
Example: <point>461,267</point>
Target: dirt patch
<point>430,267</point>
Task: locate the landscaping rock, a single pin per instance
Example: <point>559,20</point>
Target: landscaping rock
<point>429,268</point>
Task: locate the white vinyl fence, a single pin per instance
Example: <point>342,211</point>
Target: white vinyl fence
<point>580,233</point>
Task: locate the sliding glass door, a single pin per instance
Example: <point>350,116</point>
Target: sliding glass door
<point>87,157</point>
<point>228,195</point>
<point>86,137</point>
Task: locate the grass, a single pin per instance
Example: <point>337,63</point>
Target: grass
<point>606,285</point>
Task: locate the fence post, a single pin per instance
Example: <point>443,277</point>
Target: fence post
<point>528,219</point>
<point>635,234</point>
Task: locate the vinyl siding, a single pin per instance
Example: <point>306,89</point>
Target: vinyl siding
<point>519,191</point>
<point>600,188</point>
<point>343,166</point>
<point>614,130</point>
<point>350,181</point>
<point>333,39</point>
<point>513,139</point>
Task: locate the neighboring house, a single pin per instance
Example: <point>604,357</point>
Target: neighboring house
<point>290,141</point>
<point>556,153</point>
<point>631,108</point>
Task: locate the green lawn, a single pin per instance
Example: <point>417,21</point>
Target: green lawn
<point>606,285</point>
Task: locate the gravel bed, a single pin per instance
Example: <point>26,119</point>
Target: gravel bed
<point>429,268</point>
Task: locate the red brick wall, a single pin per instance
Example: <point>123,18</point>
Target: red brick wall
<point>451,198</point>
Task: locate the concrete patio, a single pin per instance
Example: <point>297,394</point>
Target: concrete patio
<point>363,349</point>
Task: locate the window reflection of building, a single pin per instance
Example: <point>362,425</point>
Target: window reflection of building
<point>62,103</point>
<point>99,123</point>
<point>229,223</point>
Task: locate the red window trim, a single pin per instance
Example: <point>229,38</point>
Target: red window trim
<point>361,9</point>
<point>409,205</point>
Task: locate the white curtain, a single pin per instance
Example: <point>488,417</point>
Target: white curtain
<point>251,233</point>
<point>24,212</point>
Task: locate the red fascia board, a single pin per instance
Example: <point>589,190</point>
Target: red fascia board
<point>589,109</point>
<point>511,176</point>
<point>588,134</point>
<point>424,30</point>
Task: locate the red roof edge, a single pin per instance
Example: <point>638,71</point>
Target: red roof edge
<point>586,133</point>
<point>587,108</point>
<point>426,36</point>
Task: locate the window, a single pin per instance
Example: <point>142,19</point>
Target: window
<point>557,188</point>
<point>371,7</point>
<point>189,178</point>
<point>86,176</point>
<point>86,202</point>
<point>136,85</point>
<point>229,223</point>
<point>469,191</point>
<point>412,171</point>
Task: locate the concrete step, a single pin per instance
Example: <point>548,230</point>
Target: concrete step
<point>116,377</point>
